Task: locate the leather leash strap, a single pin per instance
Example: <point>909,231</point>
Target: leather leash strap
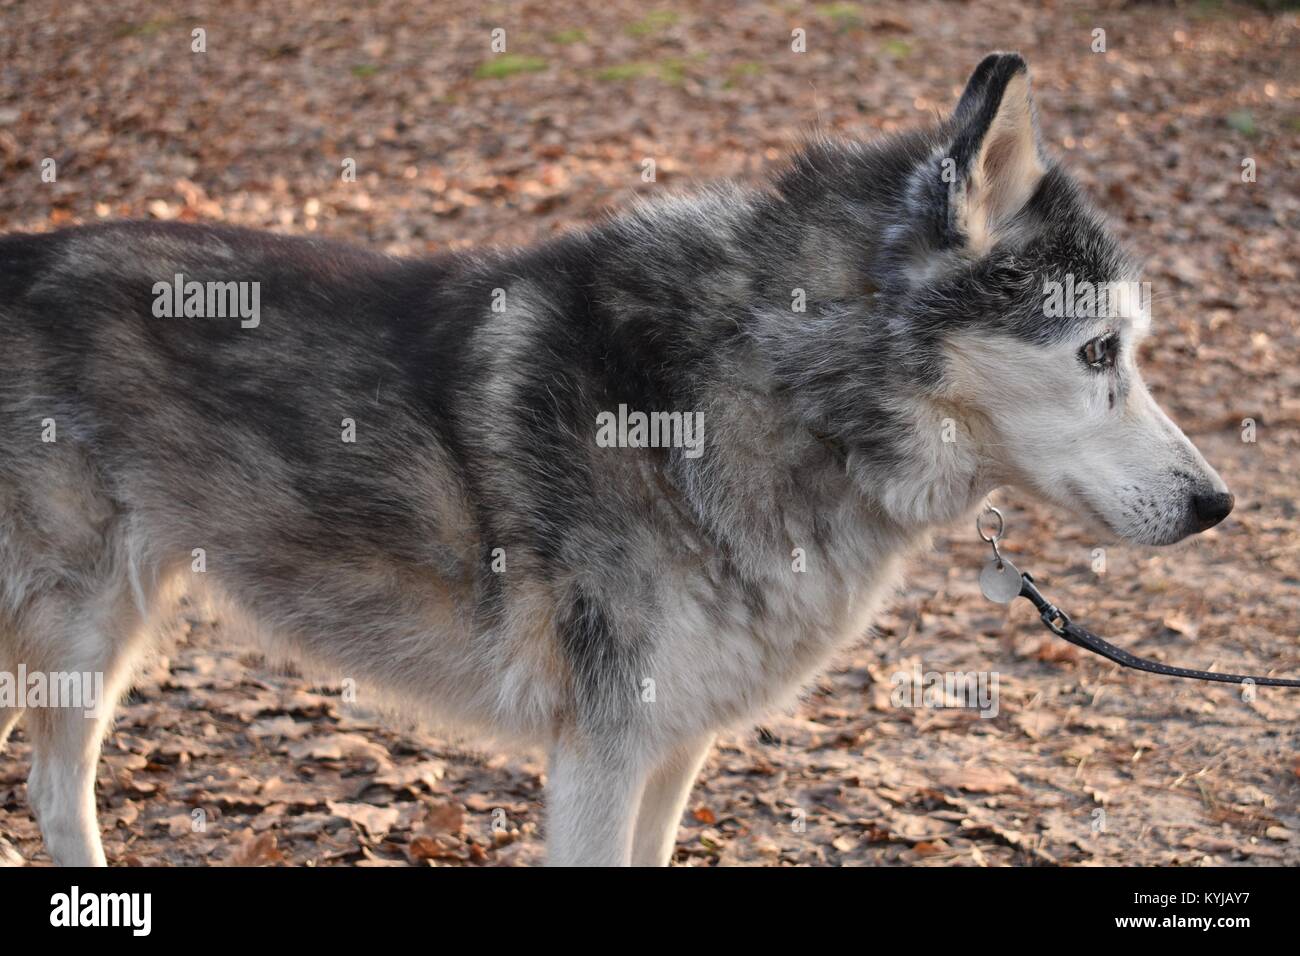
<point>1059,623</point>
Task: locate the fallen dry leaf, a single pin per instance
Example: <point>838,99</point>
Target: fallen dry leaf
<point>375,822</point>
<point>257,850</point>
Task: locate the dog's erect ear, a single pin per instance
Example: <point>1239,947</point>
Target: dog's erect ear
<point>995,165</point>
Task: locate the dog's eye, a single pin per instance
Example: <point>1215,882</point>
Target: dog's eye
<point>1100,352</point>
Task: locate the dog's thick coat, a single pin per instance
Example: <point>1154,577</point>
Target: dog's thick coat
<point>394,471</point>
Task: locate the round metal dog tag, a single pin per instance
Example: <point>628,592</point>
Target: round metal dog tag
<point>1000,584</point>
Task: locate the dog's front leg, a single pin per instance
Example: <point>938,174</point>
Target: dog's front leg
<point>663,801</point>
<point>61,783</point>
<point>593,789</point>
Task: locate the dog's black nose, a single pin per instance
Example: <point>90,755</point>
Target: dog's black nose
<point>1211,508</point>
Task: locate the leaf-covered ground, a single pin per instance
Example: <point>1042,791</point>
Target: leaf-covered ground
<point>456,147</point>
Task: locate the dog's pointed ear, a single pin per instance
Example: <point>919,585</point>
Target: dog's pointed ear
<point>995,161</point>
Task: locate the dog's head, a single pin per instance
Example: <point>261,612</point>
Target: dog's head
<point>1035,313</point>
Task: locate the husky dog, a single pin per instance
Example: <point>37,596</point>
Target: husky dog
<point>407,471</point>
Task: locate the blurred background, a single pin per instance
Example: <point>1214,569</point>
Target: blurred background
<point>1182,119</point>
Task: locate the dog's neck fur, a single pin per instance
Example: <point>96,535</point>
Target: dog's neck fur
<point>861,403</point>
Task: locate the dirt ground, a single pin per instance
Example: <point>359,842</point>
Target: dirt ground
<point>217,758</point>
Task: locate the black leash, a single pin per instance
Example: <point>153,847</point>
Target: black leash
<point>1001,581</point>
<point>1059,623</point>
